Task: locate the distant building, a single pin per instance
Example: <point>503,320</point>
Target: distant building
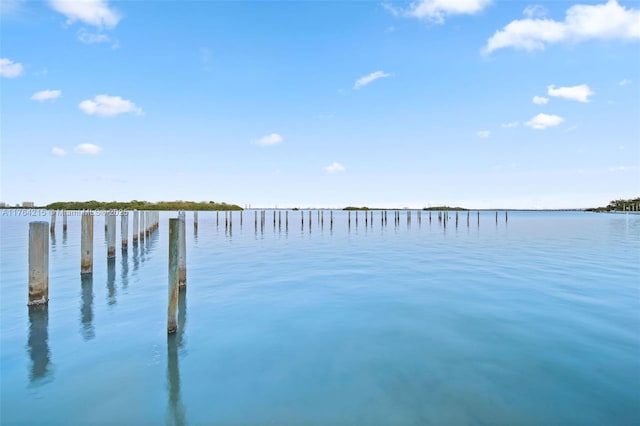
<point>27,204</point>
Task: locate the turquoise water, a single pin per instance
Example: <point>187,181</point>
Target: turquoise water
<point>534,321</point>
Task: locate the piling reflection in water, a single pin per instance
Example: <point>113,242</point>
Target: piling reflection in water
<point>176,413</point>
<point>38,344</point>
<point>124,269</point>
<point>86,308</point>
<point>111,281</point>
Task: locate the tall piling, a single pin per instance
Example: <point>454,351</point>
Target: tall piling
<point>111,235</point>
<point>86,244</point>
<point>182,251</point>
<point>64,221</point>
<point>195,221</point>
<point>142,225</point>
<point>174,249</point>
<point>38,263</point>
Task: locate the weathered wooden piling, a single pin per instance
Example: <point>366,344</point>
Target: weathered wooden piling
<point>86,244</point>
<point>506,216</point>
<point>111,235</point>
<point>496,217</point>
<point>182,251</point>
<point>356,218</point>
<point>331,221</point>
<point>64,221</point>
<point>52,227</point>
<point>124,229</point>
<point>135,226</point>
<point>286,219</point>
<point>467,218</point>
<point>274,219</point>
<point>349,220</point>
<point>147,223</point>
<point>429,216</point>
<point>195,221</point>
<point>217,218</point>
<point>419,217</point>
<point>174,249</point>
<point>478,217</point>
<point>240,218</point>
<point>142,225</point>
<point>255,219</point>
<point>279,219</point>
<point>456,219</point>
<point>38,263</point>
<point>230,220</point>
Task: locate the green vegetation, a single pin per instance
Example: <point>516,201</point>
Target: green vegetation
<point>356,208</point>
<point>619,206</point>
<point>445,208</point>
<point>141,205</point>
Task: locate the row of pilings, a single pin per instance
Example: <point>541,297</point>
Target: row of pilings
<point>145,223</point>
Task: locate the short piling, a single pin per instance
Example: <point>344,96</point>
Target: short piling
<point>52,227</point>
<point>111,235</point>
<point>135,226</point>
<point>38,263</point>
<point>174,249</point>
<point>195,221</point>
<point>86,244</point>
<point>124,229</point>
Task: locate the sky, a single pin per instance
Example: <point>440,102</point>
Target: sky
<point>473,103</point>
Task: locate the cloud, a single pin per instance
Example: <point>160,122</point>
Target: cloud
<point>543,121</point>
<point>10,69</point>
<point>45,95</point>
<point>370,78</point>
<point>268,140</point>
<point>58,152</point>
<point>624,82</point>
<point>535,11</point>
<point>91,12</point>
<point>335,167</point>
<point>510,125</point>
<point>87,148</point>
<point>108,106</point>
<point>578,93</point>
<point>608,21</point>
<point>540,100</point>
<point>437,10</point>
<point>483,134</point>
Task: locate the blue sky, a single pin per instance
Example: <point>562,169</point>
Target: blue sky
<point>316,103</point>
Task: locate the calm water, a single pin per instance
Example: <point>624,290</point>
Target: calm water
<point>535,321</point>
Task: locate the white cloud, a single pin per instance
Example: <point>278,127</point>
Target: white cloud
<point>624,82</point>
<point>87,148</point>
<point>483,134</point>
<point>437,10</point>
<point>58,152</point>
<point>370,78</point>
<point>10,69</point>
<point>540,100</point>
<point>45,95</point>
<point>91,38</point>
<point>268,140</point>
<point>510,125</point>
<point>578,93</point>
<point>334,167</point>
<point>91,12</point>
<point>582,22</point>
<point>535,11</point>
<point>543,121</point>
<point>106,105</point>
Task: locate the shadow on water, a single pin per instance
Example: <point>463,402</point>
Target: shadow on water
<point>111,281</point>
<point>38,345</point>
<point>176,413</point>
<point>86,309</point>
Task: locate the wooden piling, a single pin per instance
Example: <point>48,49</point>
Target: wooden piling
<point>182,251</point>
<point>124,229</point>
<point>64,221</point>
<point>496,217</point>
<point>174,249</point>
<point>142,225</point>
<point>135,226</point>
<point>86,244</point>
<point>349,220</point>
<point>456,219</point>
<point>52,227</point>
<point>111,235</point>
<point>478,217</point>
<point>38,263</point>
<point>506,216</point>
<point>467,218</point>
<point>195,221</point>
